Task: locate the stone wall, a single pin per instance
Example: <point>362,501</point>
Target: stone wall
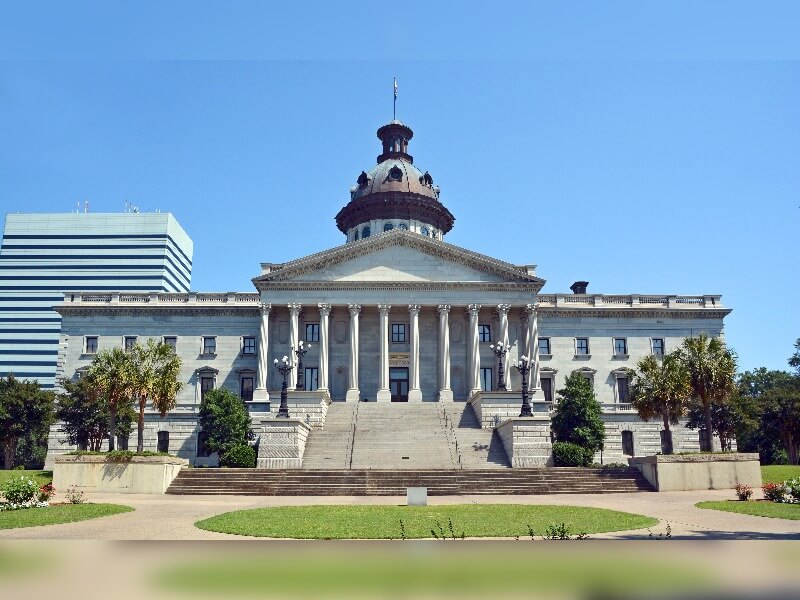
<point>140,475</point>
<point>527,441</point>
<point>282,443</point>
<point>700,471</point>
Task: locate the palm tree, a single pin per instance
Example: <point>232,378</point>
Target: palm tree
<point>661,388</point>
<point>110,374</point>
<point>155,370</point>
<point>711,368</point>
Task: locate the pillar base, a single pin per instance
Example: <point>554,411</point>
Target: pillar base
<point>445,395</point>
<point>260,395</point>
<point>415,395</point>
<point>353,395</point>
<point>384,396</point>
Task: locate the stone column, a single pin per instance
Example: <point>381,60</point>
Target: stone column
<point>414,392</point>
<point>324,313</point>
<point>294,340</point>
<point>474,352</point>
<point>261,392</point>
<point>384,394</point>
<point>503,309</point>
<point>533,346</point>
<point>445,393</point>
<point>353,393</point>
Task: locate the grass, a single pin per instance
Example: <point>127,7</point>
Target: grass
<point>772,510</point>
<point>62,513</point>
<point>40,477</point>
<point>383,522</point>
<point>779,473</point>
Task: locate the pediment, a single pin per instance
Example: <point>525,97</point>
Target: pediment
<point>400,256</point>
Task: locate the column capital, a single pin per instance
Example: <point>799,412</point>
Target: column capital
<point>324,308</point>
<point>384,308</point>
<point>294,309</point>
<point>265,309</point>
<point>354,309</point>
<point>414,308</point>
<point>503,309</point>
<point>533,307</point>
<point>473,308</point>
<point>443,309</point>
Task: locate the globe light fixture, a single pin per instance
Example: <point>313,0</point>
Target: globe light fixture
<point>523,365</point>
<point>284,368</point>
<point>300,352</point>
<point>500,350</point>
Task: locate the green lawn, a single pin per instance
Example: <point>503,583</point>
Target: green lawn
<point>40,477</point>
<point>773,510</point>
<point>779,473</point>
<point>62,513</point>
<point>383,522</point>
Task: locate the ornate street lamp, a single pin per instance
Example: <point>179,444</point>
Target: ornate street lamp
<point>300,353</point>
<point>284,368</point>
<point>500,351</point>
<point>524,367</point>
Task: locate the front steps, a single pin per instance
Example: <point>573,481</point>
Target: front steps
<point>440,482</point>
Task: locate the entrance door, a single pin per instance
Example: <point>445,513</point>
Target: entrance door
<point>398,384</point>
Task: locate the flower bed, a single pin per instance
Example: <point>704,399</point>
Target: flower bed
<point>787,492</point>
<point>23,492</point>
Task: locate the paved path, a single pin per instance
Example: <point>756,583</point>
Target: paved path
<point>172,517</point>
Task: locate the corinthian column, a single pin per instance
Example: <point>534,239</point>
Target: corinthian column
<point>474,350</point>
<point>533,345</point>
<point>445,393</point>
<point>503,309</point>
<point>384,394</point>
<point>261,392</point>
<point>324,313</point>
<point>353,393</point>
<point>294,339</point>
<point>414,392</point>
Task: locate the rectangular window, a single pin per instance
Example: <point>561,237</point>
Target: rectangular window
<point>312,332</point>
<point>209,344</point>
<point>627,443</point>
<point>484,333</point>
<point>398,333</point>
<point>247,389</point>
<point>547,388</point>
<point>582,346</point>
<point>90,347</point>
<point>544,345</point>
<point>311,378</point>
<point>171,341</point>
<point>129,343</point>
<point>248,345</point>
<point>620,347</point>
<point>486,379</point>
<point>658,346</point>
<point>206,385</point>
<point>622,390</point>
<point>163,441</point>
<point>202,444</point>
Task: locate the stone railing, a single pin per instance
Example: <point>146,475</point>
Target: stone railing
<point>193,298</point>
<point>628,301</point>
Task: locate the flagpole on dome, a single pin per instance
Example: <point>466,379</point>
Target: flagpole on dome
<point>394,108</point>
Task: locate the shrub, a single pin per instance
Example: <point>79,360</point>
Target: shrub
<point>20,490</point>
<point>567,454</point>
<point>74,495</point>
<point>241,456</point>
<point>46,492</point>
<point>793,489</point>
<point>743,491</point>
<point>774,492</point>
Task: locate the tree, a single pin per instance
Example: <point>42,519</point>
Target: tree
<point>224,419</point>
<point>711,368</point>
<point>661,388</point>
<point>154,370</point>
<point>781,417</point>
<point>25,410</point>
<point>576,418</point>
<point>85,417</point>
<point>794,359</point>
<point>725,419</point>
<point>110,373</point>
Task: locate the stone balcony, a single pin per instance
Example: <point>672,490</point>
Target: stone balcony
<point>628,301</point>
<point>137,299</point>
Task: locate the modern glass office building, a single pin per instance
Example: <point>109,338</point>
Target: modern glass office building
<point>45,255</point>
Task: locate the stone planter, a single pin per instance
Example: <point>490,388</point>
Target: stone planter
<point>282,443</point>
<point>527,441</point>
<point>699,471</point>
<point>95,473</point>
<point>491,408</point>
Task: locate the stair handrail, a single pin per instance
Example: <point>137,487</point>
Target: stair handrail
<point>353,437</point>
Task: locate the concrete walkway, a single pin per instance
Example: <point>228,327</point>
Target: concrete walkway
<point>172,517</point>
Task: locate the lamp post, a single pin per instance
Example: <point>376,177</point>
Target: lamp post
<point>284,368</point>
<point>500,351</point>
<point>524,367</point>
<point>300,352</point>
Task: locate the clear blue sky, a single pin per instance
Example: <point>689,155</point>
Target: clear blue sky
<point>644,149</point>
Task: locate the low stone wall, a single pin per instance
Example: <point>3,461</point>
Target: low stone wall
<point>95,473</point>
<point>282,443</point>
<point>699,471</point>
<point>527,441</point>
<point>492,408</point>
<point>310,407</point>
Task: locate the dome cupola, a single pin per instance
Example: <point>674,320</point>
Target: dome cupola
<point>394,193</point>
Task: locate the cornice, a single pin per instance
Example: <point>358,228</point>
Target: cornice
<point>161,311</point>
<point>633,313</point>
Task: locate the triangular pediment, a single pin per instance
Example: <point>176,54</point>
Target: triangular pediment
<point>399,256</point>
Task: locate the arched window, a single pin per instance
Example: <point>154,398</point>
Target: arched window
<point>425,231</point>
<point>388,227</point>
<point>365,233</point>
<point>403,226</point>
